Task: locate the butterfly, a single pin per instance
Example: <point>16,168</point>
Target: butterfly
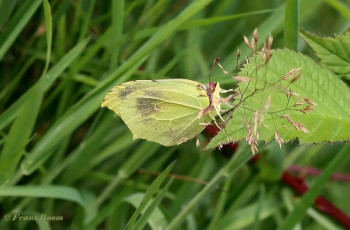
<point>165,111</point>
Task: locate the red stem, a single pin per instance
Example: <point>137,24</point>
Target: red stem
<point>317,172</point>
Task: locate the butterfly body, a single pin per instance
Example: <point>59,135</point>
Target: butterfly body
<point>167,111</point>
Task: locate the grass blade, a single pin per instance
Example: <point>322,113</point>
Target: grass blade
<point>241,156</point>
<point>151,209</point>
<point>153,189</point>
<point>48,191</point>
<point>21,129</point>
<point>48,80</point>
<point>117,30</point>
<point>291,24</point>
<point>17,24</point>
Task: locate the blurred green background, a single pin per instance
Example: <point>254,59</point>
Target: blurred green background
<point>64,156</point>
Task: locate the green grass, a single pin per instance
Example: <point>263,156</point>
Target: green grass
<point>61,155</point>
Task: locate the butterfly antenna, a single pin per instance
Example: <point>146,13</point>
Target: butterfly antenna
<point>212,67</point>
<point>237,62</point>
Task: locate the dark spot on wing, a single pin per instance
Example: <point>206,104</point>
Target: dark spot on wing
<point>125,92</point>
<point>147,106</point>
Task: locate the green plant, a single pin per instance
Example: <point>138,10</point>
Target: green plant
<point>67,163</point>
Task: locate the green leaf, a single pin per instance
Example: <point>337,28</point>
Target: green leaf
<point>329,121</point>
<point>332,52</point>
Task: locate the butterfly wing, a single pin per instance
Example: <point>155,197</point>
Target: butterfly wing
<point>162,111</point>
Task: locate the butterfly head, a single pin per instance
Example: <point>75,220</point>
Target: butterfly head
<point>211,87</point>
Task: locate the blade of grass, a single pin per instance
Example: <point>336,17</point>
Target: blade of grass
<point>340,7</point>
<point>155,12</point>
<point>148,32</point>
<point>84,158</point>
<point>48,29</point>
<point>21,129</point>
<point>19,134</point>
<point>117,31</point>
<point>242,155</point>
<point>152,189</point>
<point>322,220</point>
<point>8,90</point>
<point>16,24</point>
<point>91,52</point>
<point>157,220</point>
<point>61,36</point>
<point>86,19</point>
<point>244,217</point>
<point>291,24</point>
<point>140,224</point>
<point>6,8</point>
<point>213,20</point>
<point>143,152</point>
<point>49,191</point>
<point>203,169</point>
<point>60,11</point>
<point>116,204</point>
<point>219,209</point>
<point>259,208</point>
<point>306,201</point>
<point>55,72</point>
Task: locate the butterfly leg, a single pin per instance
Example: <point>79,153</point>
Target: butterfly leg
<point>216,124</point>
<point>226,90</point>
